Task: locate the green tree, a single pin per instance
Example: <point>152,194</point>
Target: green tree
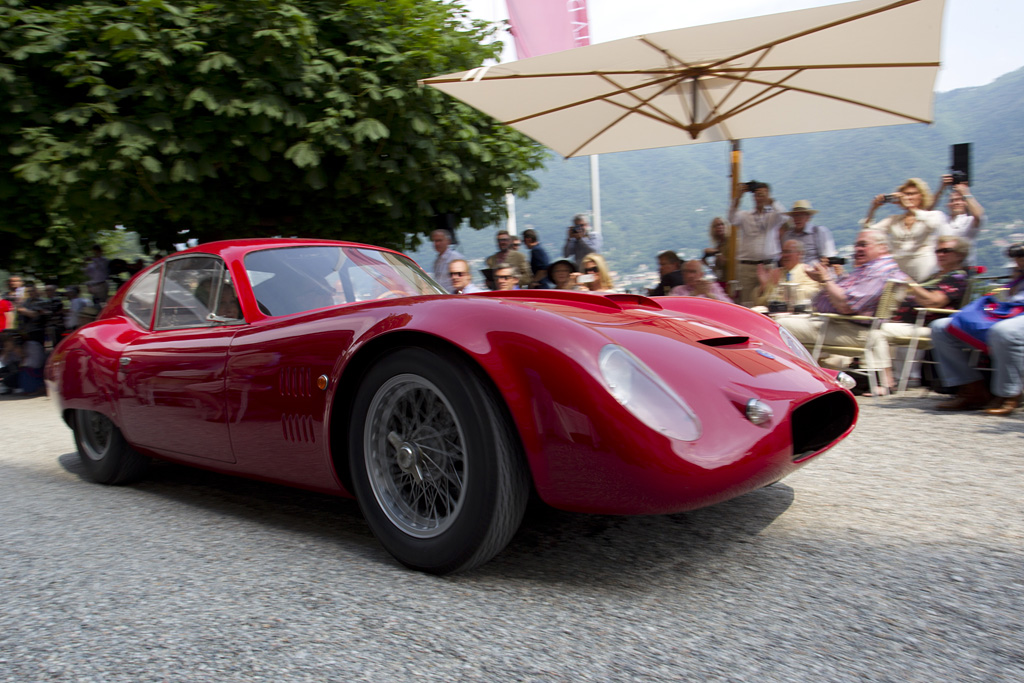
<point>243,118</point>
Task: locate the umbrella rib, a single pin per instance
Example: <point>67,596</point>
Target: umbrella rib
<point>756,98</point>
<point>816,29</point>
<point>695,128</point>
<point>596,98</point>
<point>812,67</point>
<point>697,70</point>
<point>714,110</point>
<point>663,117</point>
<point>816,93</point>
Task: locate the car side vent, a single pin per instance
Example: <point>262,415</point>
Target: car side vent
<point>296,382</point>
<point>724,341</point>
<point>298,428</point>
<point>819,422</point>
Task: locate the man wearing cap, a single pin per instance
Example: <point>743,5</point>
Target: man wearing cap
<point>817,239</point>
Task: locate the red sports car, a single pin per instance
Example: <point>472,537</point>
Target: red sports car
<point>343,368</point>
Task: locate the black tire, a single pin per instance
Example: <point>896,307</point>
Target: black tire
<point>436,466</point>
<point>106,457</point>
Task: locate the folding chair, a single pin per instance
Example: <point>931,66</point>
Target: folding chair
<point>977,285</point>
<point>892,294</point>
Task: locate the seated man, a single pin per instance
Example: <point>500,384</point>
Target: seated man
<point>512,258</point>
<point>1005,348</point>
<point>506,278</point>
<point>670,269</point>
<point>856,293</point>
<point>462,278</point>
<point>791,271</point>
<point>694,284</point>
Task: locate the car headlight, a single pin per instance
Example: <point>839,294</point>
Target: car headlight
<point>845,381</point>
<point>795,346</point>
<point>645,395</point>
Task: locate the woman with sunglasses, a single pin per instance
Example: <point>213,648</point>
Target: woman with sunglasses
<point>944,289</point>
<point>595,277</point>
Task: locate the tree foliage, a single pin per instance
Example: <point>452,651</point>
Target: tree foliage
<point>243,118</point>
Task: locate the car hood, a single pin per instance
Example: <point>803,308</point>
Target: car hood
<point>733,345</point>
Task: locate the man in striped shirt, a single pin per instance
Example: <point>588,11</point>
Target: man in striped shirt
<point>855,293</point>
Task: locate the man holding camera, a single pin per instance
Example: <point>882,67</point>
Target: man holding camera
<point>816,239</point>
<point>580,241</point>
<point>758,237</point>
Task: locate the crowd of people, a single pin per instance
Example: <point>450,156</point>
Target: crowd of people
<point>782,261</point>
<point>35,316</point>
<point>785,261</point>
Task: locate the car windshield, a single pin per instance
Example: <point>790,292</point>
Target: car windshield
<point>290,280</point>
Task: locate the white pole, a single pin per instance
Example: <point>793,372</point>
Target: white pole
<point>595,193</point>
<point>510,206</point>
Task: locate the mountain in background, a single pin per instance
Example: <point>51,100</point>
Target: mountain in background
<point>665,198</point>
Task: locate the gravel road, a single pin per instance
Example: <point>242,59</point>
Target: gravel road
<point>898,556</point>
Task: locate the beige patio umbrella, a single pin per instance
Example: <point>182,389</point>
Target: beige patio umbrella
<point>852,65</point>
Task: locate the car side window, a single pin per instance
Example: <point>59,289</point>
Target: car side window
<point>197,292</point>
<point>141,298</point>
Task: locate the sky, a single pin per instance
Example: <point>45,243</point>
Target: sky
<point>981,38</point>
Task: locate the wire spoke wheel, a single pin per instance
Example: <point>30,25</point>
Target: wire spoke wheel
<point>415,449</point>
<point>435,462</point>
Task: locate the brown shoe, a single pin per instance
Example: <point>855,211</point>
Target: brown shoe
<point>973,396</point>
<point>1006,406</point>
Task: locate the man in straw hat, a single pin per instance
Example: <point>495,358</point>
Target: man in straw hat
<point>817,239</point>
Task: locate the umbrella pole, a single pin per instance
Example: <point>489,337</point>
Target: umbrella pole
<point>734,191</point>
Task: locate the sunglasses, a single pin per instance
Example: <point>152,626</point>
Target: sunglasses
<point>507,277</point>
<point>862,244</point>
<point>592,269</point>
<point>457,273</point>
<point>945,250</point>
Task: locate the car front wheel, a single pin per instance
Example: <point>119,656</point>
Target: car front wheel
<point>436,466</point>
<point>106,456</point>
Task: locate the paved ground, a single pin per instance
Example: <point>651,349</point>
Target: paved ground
<point>899,556</point>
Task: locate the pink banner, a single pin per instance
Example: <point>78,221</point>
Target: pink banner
<point>543,26</point>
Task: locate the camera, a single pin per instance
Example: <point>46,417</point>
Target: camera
<point>890,199</point>
<point>752,185</point>
<point>836,261</point>
<point>958,176</point>
<point>1015,250</point>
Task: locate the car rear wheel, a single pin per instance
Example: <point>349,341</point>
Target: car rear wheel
<point>106,456</point>
<point>436,466</point>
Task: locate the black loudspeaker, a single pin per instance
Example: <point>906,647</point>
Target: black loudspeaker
<point>960,166</point>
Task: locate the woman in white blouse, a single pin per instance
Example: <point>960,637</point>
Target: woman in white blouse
<point>913,234</point>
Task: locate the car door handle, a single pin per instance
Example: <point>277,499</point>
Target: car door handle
<point>123,361</point>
